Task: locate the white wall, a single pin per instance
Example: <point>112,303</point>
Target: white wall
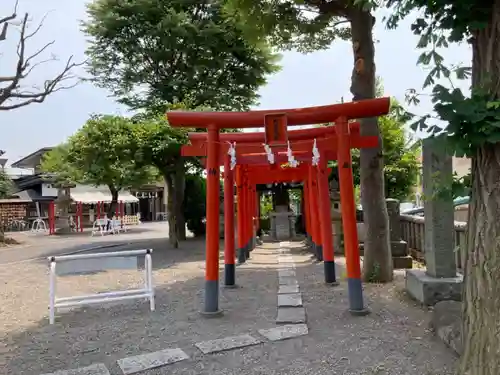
<point>48,191</point>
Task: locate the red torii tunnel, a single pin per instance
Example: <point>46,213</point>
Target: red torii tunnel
<point>247,177</point>
<point>276,124</point>
<point>318,201</point>
<point>260,175</point>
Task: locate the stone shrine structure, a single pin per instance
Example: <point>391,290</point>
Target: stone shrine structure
<point>440,280</point>
<point>399,248</point>
<point>282,223</point>
<point>62,204</point>
<point>337,231</point>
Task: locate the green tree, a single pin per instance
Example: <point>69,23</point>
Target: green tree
<point>152,52</point>
<point>401,158</point>
<point>100,153</point>
<point>310,25</point>
<point>56,162</point>
<point>6,189</point>
<point>158,144</point>
<point>6,185</point>
<point>473,129</point>
<point>156,54</point>
<point>195,207</point>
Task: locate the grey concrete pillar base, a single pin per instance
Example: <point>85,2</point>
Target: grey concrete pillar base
<point>332,284</point>
<point>212,314</point>
<point>211,307</point>
<point>429,290</point>
<point>356,300</point>
<point>362,312</point>
<point>330,274</point>
<point>233,286</point>
<point>319,253</point>
<point>242,256</point>
<point>229,274</point>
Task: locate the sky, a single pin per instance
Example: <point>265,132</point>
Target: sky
<point>317,78</point>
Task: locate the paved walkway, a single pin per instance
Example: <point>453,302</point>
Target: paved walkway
<point>126,338</point>
<point>40,245</point>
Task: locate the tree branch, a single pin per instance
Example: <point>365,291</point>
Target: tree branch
<point>4,22</point>
<point>25,66</point>
<point>333,7</point>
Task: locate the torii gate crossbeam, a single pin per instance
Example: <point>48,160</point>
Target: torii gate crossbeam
<point>276,125</point>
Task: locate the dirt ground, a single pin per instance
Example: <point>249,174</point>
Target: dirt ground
<point>393,339</point>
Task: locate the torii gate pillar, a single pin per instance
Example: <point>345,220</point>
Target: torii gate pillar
<point>229,253</point>
<point>212,236</point>
<point>348,208</point>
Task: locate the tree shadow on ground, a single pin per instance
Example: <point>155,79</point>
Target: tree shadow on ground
<point>94,334</point>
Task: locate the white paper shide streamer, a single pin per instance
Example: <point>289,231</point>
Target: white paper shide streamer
<point>315,152</point>
<point>232,154</point>
<point>269,153</point>
<point>291,159</point>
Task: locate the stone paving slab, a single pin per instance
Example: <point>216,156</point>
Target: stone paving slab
<point>284,332</point>
<point>288,281</point>
<point>138,363</point>
<point>287,273</point>
<point>288,289</point>
<point>291,315</point>
<point>227,343</point>
<point>290,300</point>
<point>96,369</point>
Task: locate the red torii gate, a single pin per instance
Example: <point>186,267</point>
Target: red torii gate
<point>247,177</point>
<point>276,123</point>
<point>251,142</point>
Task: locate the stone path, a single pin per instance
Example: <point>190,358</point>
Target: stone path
<point>249,338</point>
<point>290,307</point>
<point>289,310</point>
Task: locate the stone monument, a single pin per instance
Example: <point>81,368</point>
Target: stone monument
<point>282,223</point>
<point>61,209</point>
<point>440,281</point>
<point>336,214</point>
<point>399,248</point>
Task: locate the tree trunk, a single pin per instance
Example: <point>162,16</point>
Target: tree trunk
<point>481,307</point>
<point>172,226</point>
<point>377,265</point>
<point>179,188</point>
<point>114,202</point>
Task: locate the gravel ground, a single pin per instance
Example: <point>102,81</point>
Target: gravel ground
<point>81,337</point>
<point>392,340</point>
<point>40,245</point>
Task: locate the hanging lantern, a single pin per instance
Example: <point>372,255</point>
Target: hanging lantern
<point>315,153</point>
<point>232,154</point>
<point>269,153</point>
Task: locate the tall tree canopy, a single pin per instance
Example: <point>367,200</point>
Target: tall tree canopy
<point>473,128</point>
<point>401,158</point>
<point>6,185</point>
<point>401,152</point>
<point>314,24</point>
<point>157,54</point>
<point>158,144</point>
<point>101,153</point>
<point>152,52</point>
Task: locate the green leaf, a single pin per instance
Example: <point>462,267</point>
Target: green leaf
<point>150,53</point>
